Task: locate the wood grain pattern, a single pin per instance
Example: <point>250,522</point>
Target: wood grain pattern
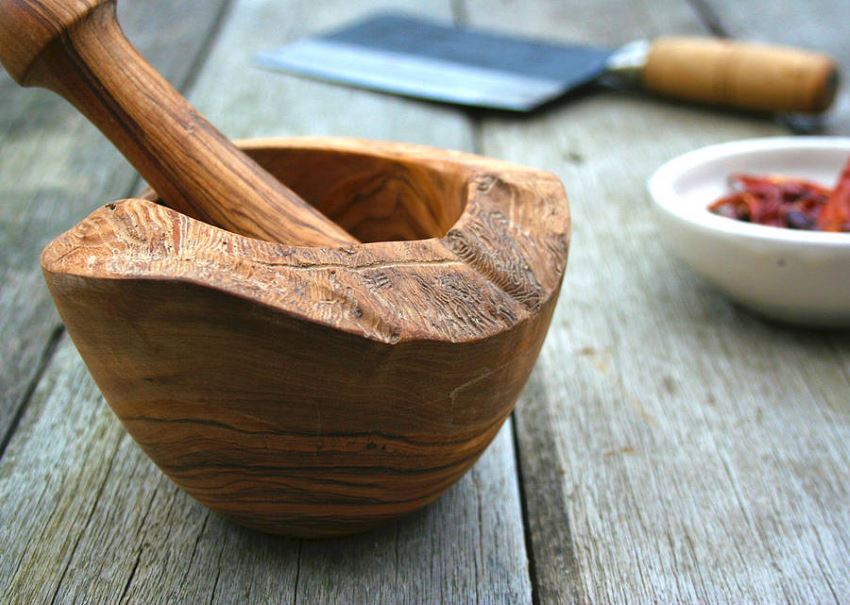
<point>623,469</point>
<point>104,525</point>
<point>674,448</point>
<point>320,391</point>
<point>143,540</point>
<point>79,51</point>
<point>54,169</point>
<point>163,548</point>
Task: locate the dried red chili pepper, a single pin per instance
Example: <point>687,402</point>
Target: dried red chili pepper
<point>835,215</point>
<point>782,201</point>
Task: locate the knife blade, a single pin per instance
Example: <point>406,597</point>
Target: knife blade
<point>400,54</point>
<point>417,58</point>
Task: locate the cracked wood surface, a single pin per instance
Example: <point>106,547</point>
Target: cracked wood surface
<point>673,447</point>
<point>93,520</point>
<point>54,169</point>
<point>319,403</point>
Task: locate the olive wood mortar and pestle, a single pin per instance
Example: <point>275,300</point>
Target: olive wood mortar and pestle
<point>309,369</point>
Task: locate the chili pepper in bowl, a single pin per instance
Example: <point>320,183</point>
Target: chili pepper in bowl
<point>782,201</point>
<point>797,274</point>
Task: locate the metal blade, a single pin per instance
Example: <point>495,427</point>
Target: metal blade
<point>407,56</point>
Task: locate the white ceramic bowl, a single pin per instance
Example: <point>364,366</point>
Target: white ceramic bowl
<point>796,276</point>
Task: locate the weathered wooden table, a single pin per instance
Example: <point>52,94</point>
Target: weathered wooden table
<point>669,447</point>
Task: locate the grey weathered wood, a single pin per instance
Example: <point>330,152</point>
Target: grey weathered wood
<point>817,24</point>
<point>85,516</point>
<point>674,448</point>
<point>472,538</point>
<point>54,169</point>
<point>466,548</point>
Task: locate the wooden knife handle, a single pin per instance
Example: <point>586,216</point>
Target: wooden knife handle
<point>738,74</point>
<point>77,49</point>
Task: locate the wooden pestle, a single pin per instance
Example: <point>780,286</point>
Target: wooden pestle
<point>328,390</point>
<point>76,48</point>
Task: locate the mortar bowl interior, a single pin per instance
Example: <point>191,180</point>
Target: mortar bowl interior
<point>321,391</point>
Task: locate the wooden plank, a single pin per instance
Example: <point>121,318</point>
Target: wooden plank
<point>54,169</point>
<point>804,23</point>
<point>101,522</point>
<point>472,537</point>
<point>466,548</point>
<point>673,447</point>
<point>105,526</point>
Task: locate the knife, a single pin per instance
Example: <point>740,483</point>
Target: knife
<point>400,54</point>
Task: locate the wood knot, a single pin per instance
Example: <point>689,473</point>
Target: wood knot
<point>484,183</point>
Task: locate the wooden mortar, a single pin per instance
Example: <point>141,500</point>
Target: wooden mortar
<point>321,391</point>
<point>279,370</point>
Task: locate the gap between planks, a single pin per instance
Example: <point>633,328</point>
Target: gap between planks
<point>451,531</point>
<point>45,356</point>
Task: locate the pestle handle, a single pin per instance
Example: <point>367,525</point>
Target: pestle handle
<point>77,49</point>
